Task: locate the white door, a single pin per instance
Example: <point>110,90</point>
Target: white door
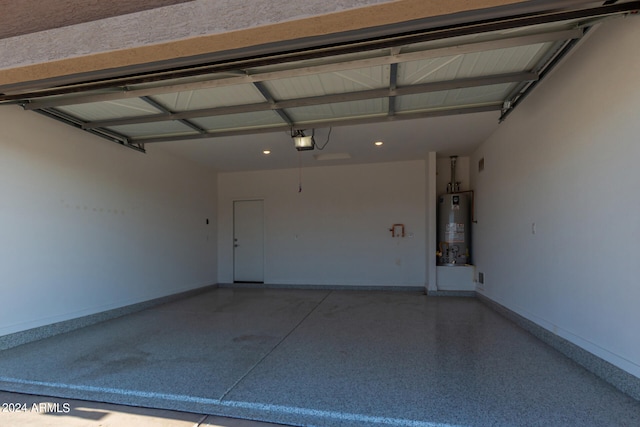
<point>248,241</point>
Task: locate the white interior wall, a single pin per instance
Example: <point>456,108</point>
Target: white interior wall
<point>88,225</point>
<point>567,160</point>
<point>336,231</point>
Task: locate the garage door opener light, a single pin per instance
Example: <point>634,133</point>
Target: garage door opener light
<point>301,141</point>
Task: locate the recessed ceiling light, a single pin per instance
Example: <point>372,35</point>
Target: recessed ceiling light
<point>266,152</point>
<point>378,143</point>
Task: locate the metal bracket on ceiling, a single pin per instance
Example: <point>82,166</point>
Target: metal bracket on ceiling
<point>136,145</point>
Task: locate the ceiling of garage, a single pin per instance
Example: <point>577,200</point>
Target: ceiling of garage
<point>455,87</point>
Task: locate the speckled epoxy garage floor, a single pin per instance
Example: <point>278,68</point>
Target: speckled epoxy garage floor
<point>322,358</point>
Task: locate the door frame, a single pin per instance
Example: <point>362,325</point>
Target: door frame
<point>233,236</point>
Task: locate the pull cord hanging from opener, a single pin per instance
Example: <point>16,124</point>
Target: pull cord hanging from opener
<point>300,133</point>
<point>299,173</point>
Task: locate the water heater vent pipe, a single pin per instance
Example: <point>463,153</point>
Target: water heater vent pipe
<point>453,186</point>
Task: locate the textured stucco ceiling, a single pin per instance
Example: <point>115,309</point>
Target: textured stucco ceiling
<point>20,17</point>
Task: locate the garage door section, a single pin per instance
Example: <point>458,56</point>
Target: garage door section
<point>475,67</point>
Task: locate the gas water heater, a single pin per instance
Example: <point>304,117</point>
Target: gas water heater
<point>454,224</point>
<point>454,229</point>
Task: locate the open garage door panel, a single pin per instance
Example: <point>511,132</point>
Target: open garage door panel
<point>473,67</point>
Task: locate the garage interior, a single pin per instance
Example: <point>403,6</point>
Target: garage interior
<point>125,260</point>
